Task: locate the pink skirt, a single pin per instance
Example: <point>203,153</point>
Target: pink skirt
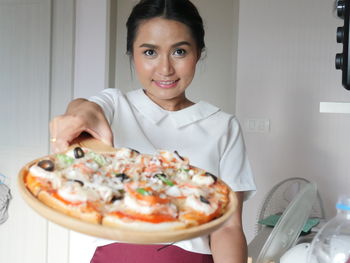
<point>130,253</point>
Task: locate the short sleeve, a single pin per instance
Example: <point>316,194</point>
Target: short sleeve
<point>108,101</point>
<point>235,169</point>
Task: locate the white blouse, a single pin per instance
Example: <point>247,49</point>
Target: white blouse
<point>209,137</point>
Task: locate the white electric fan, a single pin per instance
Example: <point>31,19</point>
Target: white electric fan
<point>289,226</point>
<point>269,245</point>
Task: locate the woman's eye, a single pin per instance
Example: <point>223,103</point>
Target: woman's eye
<point>149,52</point>
<point>180,52</point>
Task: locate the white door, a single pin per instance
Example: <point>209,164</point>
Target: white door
<point>35,83</point>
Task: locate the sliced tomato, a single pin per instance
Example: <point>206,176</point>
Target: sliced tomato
<point>152,168</point>
<point>151,218</point>
<point>146,195</point>
<point>168,163</point>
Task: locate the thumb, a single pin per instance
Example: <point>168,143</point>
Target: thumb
<point>108,141</point>
<point>104,134</point>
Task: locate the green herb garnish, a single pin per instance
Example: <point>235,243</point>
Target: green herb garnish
<point>143,191</point>
<point>98,158</point>
<point>164,179</point>
<point>65,158</point>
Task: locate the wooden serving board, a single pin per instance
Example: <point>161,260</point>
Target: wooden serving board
<point>117,234</point>
<point>89,142</point>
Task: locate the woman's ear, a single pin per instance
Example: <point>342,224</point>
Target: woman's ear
<point>201,54</point>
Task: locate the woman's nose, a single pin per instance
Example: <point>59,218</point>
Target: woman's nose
<point>165,66</point>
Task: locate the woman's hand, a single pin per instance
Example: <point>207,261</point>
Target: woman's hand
<point>81,116</point>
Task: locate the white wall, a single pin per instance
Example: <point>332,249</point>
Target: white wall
<point>36,51</point>
<point>285,69</point>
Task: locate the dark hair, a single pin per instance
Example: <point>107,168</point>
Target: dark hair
<point>179,10</point>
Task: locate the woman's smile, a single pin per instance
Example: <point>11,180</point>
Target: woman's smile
<point>166,84</point>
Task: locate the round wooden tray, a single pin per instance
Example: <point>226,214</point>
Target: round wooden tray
<point>119,234</point>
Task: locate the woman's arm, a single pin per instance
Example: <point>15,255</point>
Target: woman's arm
<point>228,244</point>
<point>81,116</point>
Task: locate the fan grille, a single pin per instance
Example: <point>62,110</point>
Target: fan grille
<point>279,197</point>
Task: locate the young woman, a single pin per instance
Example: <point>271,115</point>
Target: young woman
<point>165,41</point>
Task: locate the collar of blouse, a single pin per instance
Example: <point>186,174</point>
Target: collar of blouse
<point>181,118</point>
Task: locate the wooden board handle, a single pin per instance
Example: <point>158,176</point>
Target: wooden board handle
<point>85,140</point>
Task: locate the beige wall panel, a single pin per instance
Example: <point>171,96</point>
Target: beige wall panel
<point>91,47</point>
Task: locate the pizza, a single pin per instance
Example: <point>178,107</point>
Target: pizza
<point>128,189</point>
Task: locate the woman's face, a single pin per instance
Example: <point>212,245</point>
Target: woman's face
<point>165,57</point>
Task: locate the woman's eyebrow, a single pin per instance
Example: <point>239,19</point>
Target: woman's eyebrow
<point>181,43</point>
<point>148,46</point>
<point>151,46</point>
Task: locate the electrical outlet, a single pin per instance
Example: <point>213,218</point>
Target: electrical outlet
<point>257,125</point>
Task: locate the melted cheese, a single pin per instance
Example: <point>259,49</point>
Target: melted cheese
<point>124,153</point>
<point>174,191</point>
<point>70,153</point>
<point>92,165</point>
<point>53,177</point>
<point>202,179</point>
<point>132,204</point>
<point>73,192</point>
<point>187,191</point>
<point>183,175</point>
<point>196,204</point>
<point>105,192</point>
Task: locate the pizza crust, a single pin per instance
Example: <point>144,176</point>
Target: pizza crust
<point>113,221</point>
<point>81,212</point>
<point>33,184</point>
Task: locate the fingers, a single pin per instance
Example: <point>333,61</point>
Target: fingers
<point>58,146</point>
<point>63,130</point>
<point>98,125</point>
<point>107,136</point>
<point>81,116</point>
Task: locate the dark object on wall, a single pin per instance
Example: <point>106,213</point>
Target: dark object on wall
<point>342,60</point>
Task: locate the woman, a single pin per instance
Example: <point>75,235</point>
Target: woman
<point>165,41</point>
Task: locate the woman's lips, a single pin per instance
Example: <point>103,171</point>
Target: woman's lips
<point>166,84</point>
